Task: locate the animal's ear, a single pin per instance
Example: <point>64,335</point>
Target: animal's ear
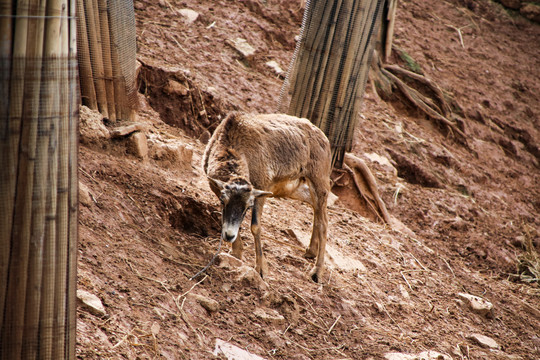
<point>257,193</point>
<point>215,183</point>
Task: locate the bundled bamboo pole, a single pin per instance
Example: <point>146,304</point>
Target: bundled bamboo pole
<point>391,19</point>
<point>107,59</point>
<point>119,86</point>
<point>73,186</point>
<point>41,123</point>
<point>6,7</point>
<point>88,91</point>
<point>39,165</point>
<point>9,134</point>
<point>96,55</point>
<point>119,80</point>
<point>62,237</point>
<point>313,51</point>
<point>15,314</point>
<point>51,111</point>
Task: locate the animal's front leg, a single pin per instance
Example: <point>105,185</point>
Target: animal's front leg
<point>260,262</point>
<point>237,247</point>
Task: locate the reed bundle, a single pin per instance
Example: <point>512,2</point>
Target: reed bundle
<point>105,83</point>
<point>38,156</point>
<point>331,70</point>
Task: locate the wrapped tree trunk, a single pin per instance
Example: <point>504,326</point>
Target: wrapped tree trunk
<point>331,70</point>
<point>329,78</point>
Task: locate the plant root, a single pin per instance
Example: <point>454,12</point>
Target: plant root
<point>366,185</point>
<point>422,102</point>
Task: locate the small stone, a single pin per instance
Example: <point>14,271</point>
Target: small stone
<point>269,315</point>
<point>383,161</point>
<point>228,261</point>
<point>188,16</point>
<point>398,356</point>
<point>432,355</point>
<point>484,341</point>
<point>175,154</point>
<point>91,303</point>
<point>84,195</point>
<point>272,64</point>
<point>512,4</point>
<point>173,87</point>
<point>231,351</point>
<point>91,127</point>
<point>127,130</point>
<point>207,303</point>
<point>205,137</point>
<point>243,47</point>
<point>477,304</point>
<point>138,145</point>
<point>247,276</point>
<point>424,355</point>
<point>332,199</point>
<point>531,11</point>
<point>155,328</point>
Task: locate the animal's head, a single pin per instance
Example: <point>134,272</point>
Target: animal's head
<point>236,196</point>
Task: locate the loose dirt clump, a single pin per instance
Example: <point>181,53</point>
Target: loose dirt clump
<point>179,101</point>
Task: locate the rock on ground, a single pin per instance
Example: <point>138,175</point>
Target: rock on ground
<point>484,341</point>
<point>233,352</point>
<point>91,303</point>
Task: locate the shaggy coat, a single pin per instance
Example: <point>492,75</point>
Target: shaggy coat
<point>250,157</point>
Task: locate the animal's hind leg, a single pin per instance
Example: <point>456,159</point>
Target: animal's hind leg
<point>313,249</point>
<point>317,246</point>
<point>320,228</point>
<point>260,262</point>
<point>305,193</point>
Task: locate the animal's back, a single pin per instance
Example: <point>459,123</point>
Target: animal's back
<point>274,146</point>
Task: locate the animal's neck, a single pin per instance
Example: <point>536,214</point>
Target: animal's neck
<point>231,165</point>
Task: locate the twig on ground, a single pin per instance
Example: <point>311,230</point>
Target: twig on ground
<point>193,287</point>
<point>459,33</point>
<point>407,281</point>
<point>90,176</point>
<point>162,283</point>
<point>312,309</point>
<point>334,324</point>
<point>447,264</point>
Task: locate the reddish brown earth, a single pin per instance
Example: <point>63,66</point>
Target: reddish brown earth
<point>467,212</point>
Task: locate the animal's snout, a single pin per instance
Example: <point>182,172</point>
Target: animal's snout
<point>229,235</point>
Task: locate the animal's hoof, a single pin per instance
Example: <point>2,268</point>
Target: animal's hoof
<point>309,254</point>
<point>316,275</point>
<point>262,269</point>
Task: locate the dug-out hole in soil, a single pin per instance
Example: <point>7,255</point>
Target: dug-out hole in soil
<point>193,216</point>
<point>413,172</point>
<point>179,102</point>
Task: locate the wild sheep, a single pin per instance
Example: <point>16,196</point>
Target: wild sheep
<point>251,157</point>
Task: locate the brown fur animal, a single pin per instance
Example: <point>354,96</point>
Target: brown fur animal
<point>250,157</point>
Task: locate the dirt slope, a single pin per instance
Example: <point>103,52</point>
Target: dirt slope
<point>467,212</point>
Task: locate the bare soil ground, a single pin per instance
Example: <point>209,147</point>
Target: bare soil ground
<point>467,213</point>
